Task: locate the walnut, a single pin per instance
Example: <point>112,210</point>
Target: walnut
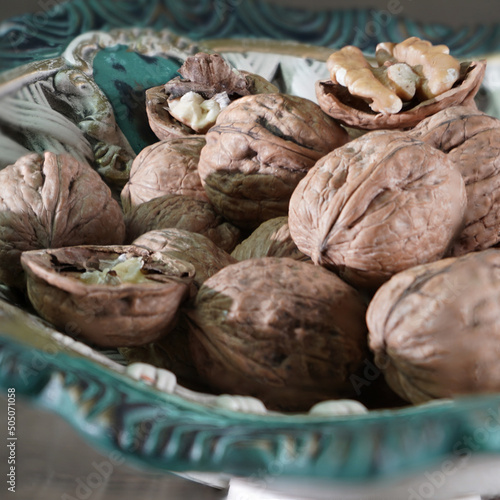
<point>286,332</point>
<point>378,205</point>
<point>260,148</point>
<point>182,212</point>
<point>471,140</point>
<point>49,201</point>
<point>206,257</point>
<point>190,104</point>
<point>414,80</point>
<point>271,239</point>
<point>102,295</point>
<point>166,167</point>
<point>434,328</point>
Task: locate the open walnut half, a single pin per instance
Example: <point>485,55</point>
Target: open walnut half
<point>413,79</point>
<point>190,104</point>
<point>109,295</point>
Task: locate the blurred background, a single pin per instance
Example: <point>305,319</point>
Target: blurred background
<point>454,13</point>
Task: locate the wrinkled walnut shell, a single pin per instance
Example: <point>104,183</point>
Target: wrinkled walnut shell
<point>206,257</point>
<point>286,332</point>
<point>182,212</point>
<point>378,205</point>
<point>352,111</point>
<point>166,167</point>
<point>434,328</point>
<point>127,314</point>
<point>50,201</point>
<point>271,239</point>
<point>257,152</point>
<point>471,140</point>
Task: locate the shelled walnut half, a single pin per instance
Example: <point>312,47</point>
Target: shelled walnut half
<point>413,79</point>
<point>109,295</point>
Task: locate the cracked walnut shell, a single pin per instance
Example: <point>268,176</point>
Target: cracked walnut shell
<point>259,149</point>
<point>352,111</point>
<point>378,205</point>
<point>286,332</point>
<point>80,292</point>
<point>50,201</point>
<point>435,328</point>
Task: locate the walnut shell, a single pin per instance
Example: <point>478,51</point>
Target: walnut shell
<point>49,201</point>
<point>166,167</point>
<point>378,205</point>
<point>286,332</point>
<point>206,257</point>
<point>472,141</point>
<point>182,212</point>
<point>107,315</point>
<point>352,111</point>
<point>434,328</point>
<point>271,239</point>
<point>259,149</point>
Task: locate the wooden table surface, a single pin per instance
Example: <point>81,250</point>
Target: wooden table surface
<point>54,463</point>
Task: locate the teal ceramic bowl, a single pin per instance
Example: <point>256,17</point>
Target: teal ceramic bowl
<point>107,52</point>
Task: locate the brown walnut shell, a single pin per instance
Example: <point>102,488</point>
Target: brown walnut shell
<point>378,205</point>
<point>107,315</point>
<point>259,149</point>
<point>271,239</point>
<point>435,328</point>
<point>166,167</point>
<point>286,332</point>
<point>182,212</point>
<point>50,201</point>
<point>472,141</point>
<point>206,257</point>
<point>336,101</point>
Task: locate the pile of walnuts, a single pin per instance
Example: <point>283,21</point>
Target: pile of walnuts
<point>264,251</point>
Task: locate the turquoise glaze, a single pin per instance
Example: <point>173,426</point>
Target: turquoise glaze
<point>124,75</point>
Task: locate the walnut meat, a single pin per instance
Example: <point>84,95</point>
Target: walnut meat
<point>472,141</point>
<point>166,167</point>
<point>435,328</point>
<point>259,149</point>
<point>182,212</point>
<point>50,201</point>
<point>206,257</point>
<point>109,295</point>
<point>271,239</point>
<point>286,332</point>
<point>376,206</point>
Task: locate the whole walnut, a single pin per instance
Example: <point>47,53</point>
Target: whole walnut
<point>51,201</point>
<point>182,212</point>
<point>166,167</point>
<point>257,152</point>
<point>376,206</point>
<point>286,332</point>
<point>472,141</point>
<point>271,239</point>
<point>206,257</point>
<point>435,328</point>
